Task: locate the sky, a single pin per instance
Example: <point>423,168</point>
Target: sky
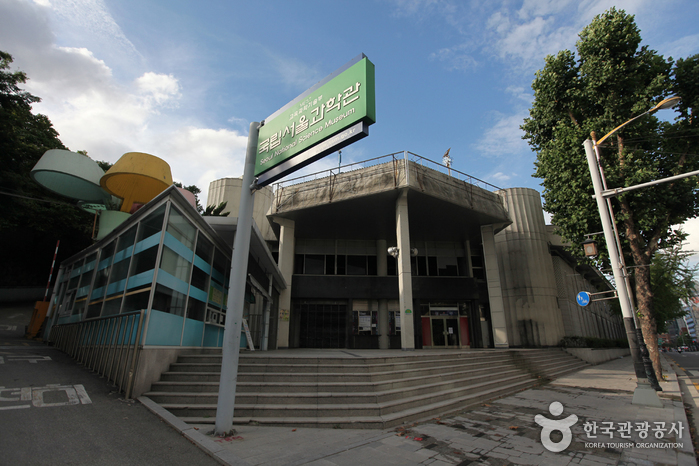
<point>183,79</point>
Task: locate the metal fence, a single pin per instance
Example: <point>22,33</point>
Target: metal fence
<point>394,157</point>
<point>107,345</point>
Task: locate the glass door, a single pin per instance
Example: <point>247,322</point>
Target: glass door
<point>445,332</point>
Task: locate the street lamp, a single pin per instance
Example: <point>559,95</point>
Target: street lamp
<point>644,393</point>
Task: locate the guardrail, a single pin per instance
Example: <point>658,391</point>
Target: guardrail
<point>389,158</point>
<point>106,345</point>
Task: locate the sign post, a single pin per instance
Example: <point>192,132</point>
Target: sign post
<point>236,293</point>
<point>330,115</point>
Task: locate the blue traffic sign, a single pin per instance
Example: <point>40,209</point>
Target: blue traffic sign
<point>583,298</point>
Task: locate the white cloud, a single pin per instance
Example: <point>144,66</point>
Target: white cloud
<point>92,110</point>
<point>158,89</point>
<point>456,57</point>
<point>500,176</point>
<point>691,227</point>
<point>504,137</point>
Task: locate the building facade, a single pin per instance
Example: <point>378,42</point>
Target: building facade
<point>401,252</point>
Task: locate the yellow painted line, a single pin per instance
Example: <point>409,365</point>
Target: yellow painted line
<point>696,385</point>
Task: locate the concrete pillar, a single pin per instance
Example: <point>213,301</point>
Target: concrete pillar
<point>405,282</point>
<point>526,269</point>
<point>467,258</point>
<point>382,271</point>
<point>286,266</point>
<point>492,273</point>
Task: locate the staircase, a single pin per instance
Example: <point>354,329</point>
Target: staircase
<point>353,392</point>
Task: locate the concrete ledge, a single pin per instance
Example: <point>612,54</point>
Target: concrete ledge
<point>598,355</point>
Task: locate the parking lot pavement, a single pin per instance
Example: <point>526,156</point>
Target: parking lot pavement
<point>53,411</point>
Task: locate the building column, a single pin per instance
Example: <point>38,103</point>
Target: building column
<point>382,271</point>
<point>405,282</point>
<point>495,295</point>
<point>286,266</point>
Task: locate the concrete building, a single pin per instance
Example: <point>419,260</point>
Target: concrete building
<point>402,252</point>
<point>174,264</point>
<point>397,252</point>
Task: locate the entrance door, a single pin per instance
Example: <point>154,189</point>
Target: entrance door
<point>445,331</point>
<point>322,325</point>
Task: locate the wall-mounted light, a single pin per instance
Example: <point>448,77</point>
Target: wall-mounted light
<point>394,251</point>
<point>590,247</point>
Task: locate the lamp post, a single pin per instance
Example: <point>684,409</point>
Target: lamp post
<point>644,393</point>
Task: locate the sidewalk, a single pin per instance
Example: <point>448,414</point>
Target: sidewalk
<point>501,432</point>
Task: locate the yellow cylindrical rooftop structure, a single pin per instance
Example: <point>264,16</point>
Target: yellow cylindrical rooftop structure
<point>137,178</point>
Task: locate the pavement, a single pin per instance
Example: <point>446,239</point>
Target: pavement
<point>54,411</point>
<point>607,429</point>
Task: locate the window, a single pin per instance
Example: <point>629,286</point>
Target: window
<point>167,300</point>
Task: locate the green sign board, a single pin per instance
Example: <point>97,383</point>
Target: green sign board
<point>335,112</point>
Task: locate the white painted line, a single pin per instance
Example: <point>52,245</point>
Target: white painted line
<point>2,360</point>
<point>15,407</point>
<point>82,394</point>
<point>32,359</point>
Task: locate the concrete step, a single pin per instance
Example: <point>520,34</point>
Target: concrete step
<point>422,412</point>
<point>192,393</point>
<point>295,383</point>
<point>361,392</point>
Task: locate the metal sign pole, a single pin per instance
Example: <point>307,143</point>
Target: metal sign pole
<point>236,292</point>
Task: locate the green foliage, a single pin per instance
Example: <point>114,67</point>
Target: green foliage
<point>592,342</point>
<point>31,218</point>
<point>194,190</point>
<point>216,210</point>
<point>611,79</point>
<point>672,281</point>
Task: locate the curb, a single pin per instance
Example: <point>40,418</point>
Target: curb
<point>203,442</point>
<point>686,455</point>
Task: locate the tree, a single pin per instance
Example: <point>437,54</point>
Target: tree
<point>672,284</point>
<point>32,219</point>
<point>216,210</point>
<point>611,79</point>
<point>194,190</point>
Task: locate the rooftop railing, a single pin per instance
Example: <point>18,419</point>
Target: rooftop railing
<point>394,157</point>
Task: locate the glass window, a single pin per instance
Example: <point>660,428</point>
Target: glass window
<point>136,301</point>
<point>152,224</point>
<point>447,266</point>
<point>341,265</point>
<point>175,265</point>
<point>372,268</point>
<point>356,265</point>
<point>200,279</point>
<point>314,264</point>
<point>330,264</point>
<point>170,301</point>
<point>205,249</point>
<point>196,309</point>
<point>103,269</point>
<point>298,264</point>
<point>88,272</point>
<point>181,228</point>
<point>112,306</point>
<point>391,265</point>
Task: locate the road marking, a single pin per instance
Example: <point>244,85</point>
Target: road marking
<point>15,407</point>
<point>10,328</point>
<point>31,358</point>
<point>72,394</point>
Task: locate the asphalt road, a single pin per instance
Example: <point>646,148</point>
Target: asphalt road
<point>689,362</point>
<point>53,411</point>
